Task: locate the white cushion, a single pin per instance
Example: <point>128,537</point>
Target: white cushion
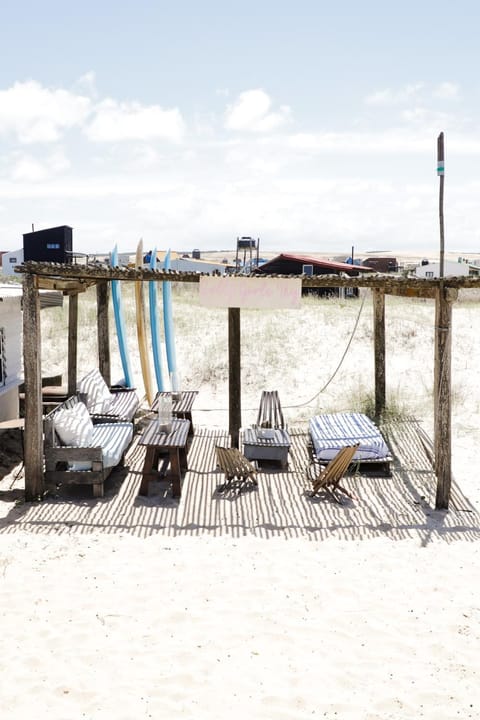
<point>113,438</point>
<point>98,397</point>
<point>74,426</point>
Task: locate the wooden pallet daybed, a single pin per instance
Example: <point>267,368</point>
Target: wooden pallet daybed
<point>80,451</point>
<point>330,432</point>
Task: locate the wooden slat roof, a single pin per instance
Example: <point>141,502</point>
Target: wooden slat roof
<point>95,272</point>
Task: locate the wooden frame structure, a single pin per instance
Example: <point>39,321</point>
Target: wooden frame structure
<point>73,279</point>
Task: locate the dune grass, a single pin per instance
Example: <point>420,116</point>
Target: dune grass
<point>298,352</point>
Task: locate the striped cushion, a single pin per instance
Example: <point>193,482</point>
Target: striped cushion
<point>331,432</point>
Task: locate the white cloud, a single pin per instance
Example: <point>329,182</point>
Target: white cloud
<point>413,93</point>
<point>394,97</point>
<point>87,83</point>
<point>117,121</point>
<point>35,114</point>
<point>446,91</point>
<point>252,112</point>
<point>389,142</point>
<point>27,168</point>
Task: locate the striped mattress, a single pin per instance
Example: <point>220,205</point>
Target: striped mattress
<point>331,432</point>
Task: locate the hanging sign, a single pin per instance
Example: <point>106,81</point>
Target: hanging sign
<point>253,293</point>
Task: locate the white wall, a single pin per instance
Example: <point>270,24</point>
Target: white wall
<point>11,321</point>
<point>9,260</point>
<point>451,269</point>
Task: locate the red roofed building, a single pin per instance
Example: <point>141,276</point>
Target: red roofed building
<point>289,264</point>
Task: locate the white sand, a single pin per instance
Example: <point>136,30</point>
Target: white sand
<point>107,612</point>
<point>112,626</point>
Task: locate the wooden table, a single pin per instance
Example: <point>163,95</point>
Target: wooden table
<point>257,448</point>
<point>174,443</point>
<point>181,407</point>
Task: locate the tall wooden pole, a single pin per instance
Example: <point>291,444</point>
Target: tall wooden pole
<point>441,173</point>
<point>103,330</point>
<point>33,440</point>
<point>234,375</point>
<point>72,342</point>
<point>379,349</point>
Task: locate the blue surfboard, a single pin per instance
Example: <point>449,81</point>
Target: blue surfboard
<point>120,323</point>
<point>154,329</point>
<point>168,323</point>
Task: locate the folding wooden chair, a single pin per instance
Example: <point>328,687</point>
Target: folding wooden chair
<point>329,477</point>
<point>270,413</point>
<point>235,465</point>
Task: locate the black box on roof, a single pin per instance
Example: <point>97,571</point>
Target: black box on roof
<point>51,245</point>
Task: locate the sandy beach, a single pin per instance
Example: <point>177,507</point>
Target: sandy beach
<point>266,605</point>
<point>116,626</point>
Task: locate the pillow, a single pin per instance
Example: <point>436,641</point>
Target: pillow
<point>98,397</point>
<point>74,426</point>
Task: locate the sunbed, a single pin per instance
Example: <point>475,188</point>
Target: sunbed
<point>330,432</point>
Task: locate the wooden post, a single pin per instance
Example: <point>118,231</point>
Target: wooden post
<point>103,331</point>
<point>72,342</point>
<point>33,439</point>
<point>379,349</point>
<point>442,397</point>
<point>234,375</point>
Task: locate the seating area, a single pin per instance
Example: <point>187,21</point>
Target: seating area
<point>80,450</point>
<point>87,435</point>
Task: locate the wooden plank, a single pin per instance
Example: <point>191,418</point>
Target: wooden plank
<point>33,440</point>
<point>65,286</point>
<point>442,400</point>
<point>103,331</point>
<point>379,350</point>
<point>234,375</point>
<point>72,343</point>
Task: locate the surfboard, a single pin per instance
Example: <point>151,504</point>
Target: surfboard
<point>141,330</point>
<point>156,344</point>
<point>168,323</point>
<point>120,322</point>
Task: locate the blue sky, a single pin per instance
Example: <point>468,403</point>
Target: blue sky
<point>310,125</point>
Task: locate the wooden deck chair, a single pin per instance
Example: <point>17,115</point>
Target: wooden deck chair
<point>330,476</point>
<point>234,465</point>
<point>270,413</point>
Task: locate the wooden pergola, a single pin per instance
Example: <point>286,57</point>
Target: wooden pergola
<point>72,279</point>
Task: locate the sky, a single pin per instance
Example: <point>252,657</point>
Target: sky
<point>309,125</point>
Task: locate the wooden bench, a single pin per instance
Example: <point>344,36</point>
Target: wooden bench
<point>235,465</point>
<point>89,464</point>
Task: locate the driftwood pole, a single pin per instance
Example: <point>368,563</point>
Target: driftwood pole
<point>33,441</point>
<point>103,331</point>
<point>72,342</point>
<point>442,397</point>
<point>234,375</point>
<point>442,372</point>
<point>379,349</point>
